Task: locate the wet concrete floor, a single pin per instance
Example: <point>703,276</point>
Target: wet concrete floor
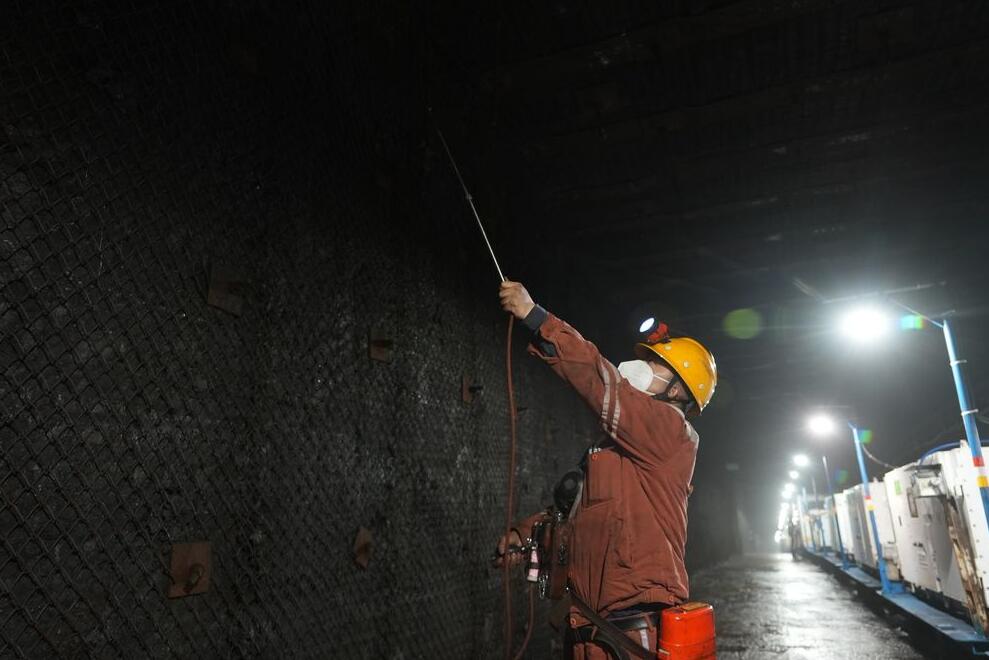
<point>771,606</point>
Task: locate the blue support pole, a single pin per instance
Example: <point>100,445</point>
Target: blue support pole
<point>968,417</point>
<point>834,511</point>
<point>889,587</point>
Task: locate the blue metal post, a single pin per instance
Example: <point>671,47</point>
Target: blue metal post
<point>888,586</point>
<point>968,417</point>
<point>834,511</point>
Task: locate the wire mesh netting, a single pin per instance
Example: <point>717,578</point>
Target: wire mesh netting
<point>156,159</point>
<point>213,215</point>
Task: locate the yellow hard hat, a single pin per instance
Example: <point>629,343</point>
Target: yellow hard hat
<point>693,363</point>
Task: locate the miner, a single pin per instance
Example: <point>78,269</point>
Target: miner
<point>628,521</point>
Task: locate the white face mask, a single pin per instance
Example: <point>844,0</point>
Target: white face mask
<point>639,375</point>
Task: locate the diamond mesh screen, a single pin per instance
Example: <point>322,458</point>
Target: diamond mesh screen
<point>213,213</point>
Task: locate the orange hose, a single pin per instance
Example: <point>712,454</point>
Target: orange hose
<point>511,490</point>
<point>532,616</point>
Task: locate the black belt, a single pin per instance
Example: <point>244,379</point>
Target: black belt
<point>626,624</point>
<point>610,633</point>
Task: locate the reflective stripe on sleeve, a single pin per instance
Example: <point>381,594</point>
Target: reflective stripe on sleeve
<point>606,403</point>
<point>618,405</point>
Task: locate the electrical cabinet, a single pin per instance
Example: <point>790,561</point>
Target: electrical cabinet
<point>860,541</point>
<point>887,532</point>
<point>841,503</point>
<point>958,481</point>
<point>913,536</point>
<point>806,522</point>
<point>927,559</point>
<point>828,525</point>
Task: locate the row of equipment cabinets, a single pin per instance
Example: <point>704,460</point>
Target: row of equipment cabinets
<point>932,531</point>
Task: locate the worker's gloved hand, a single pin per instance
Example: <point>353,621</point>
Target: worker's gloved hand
<point>515,299</point>
<point>509,548</point>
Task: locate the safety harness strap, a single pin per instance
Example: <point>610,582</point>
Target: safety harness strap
<point>610,632</point>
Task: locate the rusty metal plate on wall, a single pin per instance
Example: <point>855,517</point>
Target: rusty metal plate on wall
<point>226,289</point>
<point>468,389</point>
<point>379,346</point>
<point>189,571</point>
<point>362,547</point>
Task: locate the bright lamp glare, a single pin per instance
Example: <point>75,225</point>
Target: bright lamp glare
<point>820,425</point>
<point>801,460</point>
<point>647,324</point>
<point>789,487</point>
<point>794,474</point>
<point>864,324</point>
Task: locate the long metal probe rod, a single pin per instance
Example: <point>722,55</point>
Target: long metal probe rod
<point>470,200</point>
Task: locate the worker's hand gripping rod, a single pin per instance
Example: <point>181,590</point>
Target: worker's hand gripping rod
<point>470,200</point>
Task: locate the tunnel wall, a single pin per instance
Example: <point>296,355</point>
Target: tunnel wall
<point>713,532</point>
<point>211,217</point>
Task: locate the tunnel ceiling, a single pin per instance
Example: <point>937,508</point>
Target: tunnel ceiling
<point>701,157</point>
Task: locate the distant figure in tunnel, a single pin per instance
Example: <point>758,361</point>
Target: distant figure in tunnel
<point>796,540</point>
<point>629,517</point>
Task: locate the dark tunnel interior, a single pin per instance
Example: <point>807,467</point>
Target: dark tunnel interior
<point>245,301</point>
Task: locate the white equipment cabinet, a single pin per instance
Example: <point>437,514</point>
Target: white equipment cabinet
<point>959,481</point>
<point>927,559</point>
<point>887,532</point>
<point>827,525</point>
<point>862,543</point>
<point>844,521</point>
<point>860,540</point>
<point>806,521</point>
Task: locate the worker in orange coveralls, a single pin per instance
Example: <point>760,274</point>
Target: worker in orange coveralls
<point>630,521</point>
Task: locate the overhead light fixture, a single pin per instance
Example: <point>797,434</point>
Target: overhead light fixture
<point>820,424</point>
<point>801,460</point>
<point>864,325</point>
<point>794,474</point>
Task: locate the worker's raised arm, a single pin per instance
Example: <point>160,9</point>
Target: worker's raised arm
<point>572,357</point>
<point>636,422</point>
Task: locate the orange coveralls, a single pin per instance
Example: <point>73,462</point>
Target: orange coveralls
<point>630,527</point>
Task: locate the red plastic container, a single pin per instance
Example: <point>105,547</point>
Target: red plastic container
<point>687,633</point>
